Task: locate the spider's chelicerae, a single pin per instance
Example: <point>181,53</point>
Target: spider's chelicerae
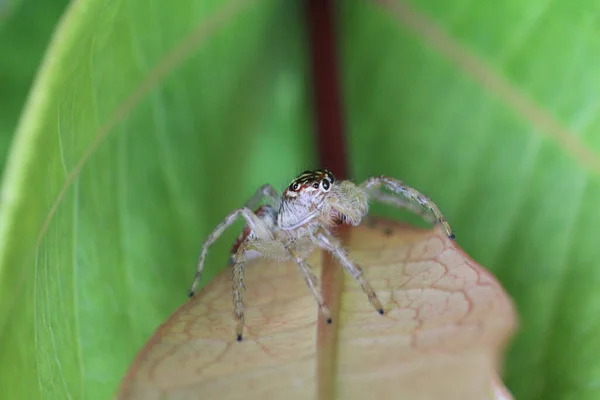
<point>297,222</point>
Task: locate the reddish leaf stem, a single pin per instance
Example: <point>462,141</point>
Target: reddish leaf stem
<point>332,155</point>
<point>331,143</point>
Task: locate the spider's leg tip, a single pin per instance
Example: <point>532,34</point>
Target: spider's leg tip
<point>191,293</point>
<point>329,320</point>
<point>452,236</point>
<point>380,311</point>
<point>239,338</point>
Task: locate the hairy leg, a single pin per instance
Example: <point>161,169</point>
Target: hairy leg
<point>257,226</point>
<point>374,186</point>
<point>405,204</point>
<point>313,283</point>
<point>267,248</point>
<point>239,262</point>
<point>330,243</point>
<point>268,215</point>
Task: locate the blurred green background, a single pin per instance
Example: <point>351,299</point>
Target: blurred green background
<point>85,283</point>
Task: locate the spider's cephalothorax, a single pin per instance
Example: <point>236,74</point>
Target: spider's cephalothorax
<point>303,200</point>
<point>300,220</point>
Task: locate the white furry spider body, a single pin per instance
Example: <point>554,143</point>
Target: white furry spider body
<point>299,221</point>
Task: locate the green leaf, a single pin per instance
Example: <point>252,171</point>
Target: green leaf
<point>21,48</point>
<point>146,124</point>
<point>491,109</point>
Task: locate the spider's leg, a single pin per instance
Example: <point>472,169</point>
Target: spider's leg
<point>239,262</point>
<point>267,248</point>
<point>264,192</point>
<point>374,186</point>
<point>405,204</point>
<point>334,246</point>
<point>254,223</point>
<point>313,283</point>
<point>268,215</point>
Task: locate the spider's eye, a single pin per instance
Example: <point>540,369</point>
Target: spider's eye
<point>330,177</point>
<point>326,185</point>
<point>316,185</point>
<point>294,187</point>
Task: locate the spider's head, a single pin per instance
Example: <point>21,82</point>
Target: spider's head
<point>304,198</point>
<point>317,191</point>
<point>310,187</point>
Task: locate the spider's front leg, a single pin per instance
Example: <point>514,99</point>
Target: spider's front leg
<point>391,199</point>
<point>330,243</point>
<point>312,282</point>
<point>373,186</point>
<point>239,262</point>
<point>268,248</point>
<point>253,222</point>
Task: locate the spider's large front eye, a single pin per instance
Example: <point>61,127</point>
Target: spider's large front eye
<point>326,185</point>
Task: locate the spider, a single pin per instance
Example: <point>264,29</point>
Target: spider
<point>300,220</point>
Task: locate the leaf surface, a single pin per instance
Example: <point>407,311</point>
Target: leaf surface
<point>445,325</point>
<point>21,50</point>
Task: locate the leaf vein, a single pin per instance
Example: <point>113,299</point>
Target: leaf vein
<point>427,30</point>
<point>203,31</point>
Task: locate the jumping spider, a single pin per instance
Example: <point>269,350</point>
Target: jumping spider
<point>298,221</point>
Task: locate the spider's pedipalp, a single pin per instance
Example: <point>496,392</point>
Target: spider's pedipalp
<point>256,225</point>
<point>346,204</point>
<point>330,243</point>
<point>373,186</point>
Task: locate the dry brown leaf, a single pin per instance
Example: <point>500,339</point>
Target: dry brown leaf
<point>445,326</point>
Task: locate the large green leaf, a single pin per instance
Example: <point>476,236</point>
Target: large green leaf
<point>432,91</point>
<point>120,169</point>
<point>83,284</point>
